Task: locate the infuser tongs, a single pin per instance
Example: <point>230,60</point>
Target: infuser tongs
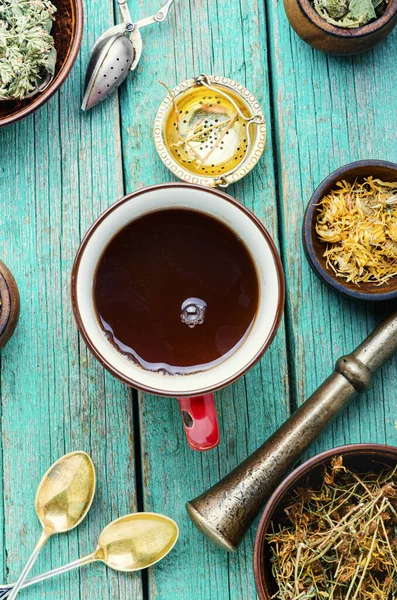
<point>115,54</point>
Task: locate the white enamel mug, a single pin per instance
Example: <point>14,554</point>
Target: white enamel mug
<point>194,391</point>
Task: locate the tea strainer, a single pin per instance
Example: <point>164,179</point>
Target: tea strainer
<point>115,54</point>
<point>210,130</point>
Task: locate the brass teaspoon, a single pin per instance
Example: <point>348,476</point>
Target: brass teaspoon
<point>63,499</point>
<point>131,543</point>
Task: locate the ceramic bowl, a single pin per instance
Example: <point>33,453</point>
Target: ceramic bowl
<point>360,457</point>
<point>324,36</point>
<point>9,304</point>
<point>314,247</point>
<point>67,31</point>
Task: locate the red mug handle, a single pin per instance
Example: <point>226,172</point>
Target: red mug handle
<point>200,422</point>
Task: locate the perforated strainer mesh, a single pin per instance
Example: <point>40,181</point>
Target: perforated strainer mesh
<point>211,131</point>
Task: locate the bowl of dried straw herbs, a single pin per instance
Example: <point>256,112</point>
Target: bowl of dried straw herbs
<point>342,26</point>
<point>350,230</point>
<point>329,532</point>
<point>39,42</point>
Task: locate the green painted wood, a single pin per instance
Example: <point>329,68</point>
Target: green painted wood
<point>329,111</point>
<point>199,38</point>
<point>58,170</point>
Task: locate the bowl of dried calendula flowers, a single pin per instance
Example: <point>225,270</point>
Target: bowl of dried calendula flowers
<point>330,529</point>
<point>39,43</point>
<point>350,230</point>
<point>342,26</point>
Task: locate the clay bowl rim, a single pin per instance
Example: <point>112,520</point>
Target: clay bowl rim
<point>378,451</point>
<point>5,304</point>
<point>61,76</point>
<point>10,304</point>
<point>358,32</point>
<point>315,261</point>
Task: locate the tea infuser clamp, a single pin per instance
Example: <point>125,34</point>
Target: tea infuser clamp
<point>115,54</point>
<point>203,131</point>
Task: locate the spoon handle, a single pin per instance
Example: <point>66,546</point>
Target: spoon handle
<point>6,590</point>
<point>43,538</point>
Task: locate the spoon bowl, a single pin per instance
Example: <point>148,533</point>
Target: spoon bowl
<point>66,492</point>
<point>137,541</point>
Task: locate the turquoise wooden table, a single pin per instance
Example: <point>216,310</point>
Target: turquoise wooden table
<point>59,169</point>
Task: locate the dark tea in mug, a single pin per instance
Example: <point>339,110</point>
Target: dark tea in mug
<point>176,291</point>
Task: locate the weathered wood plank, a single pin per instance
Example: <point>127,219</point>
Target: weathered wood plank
<point>329,111</point>
<point>210,38</point>
<point>59,170</point>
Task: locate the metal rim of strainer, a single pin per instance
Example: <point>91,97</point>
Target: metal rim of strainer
<point>249,161</point>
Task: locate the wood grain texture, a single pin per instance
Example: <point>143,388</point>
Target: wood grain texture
<point>329,111</point>
<point>204,37</point>
<point>59,170</point>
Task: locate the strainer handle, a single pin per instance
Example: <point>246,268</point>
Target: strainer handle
<point>200,422</point>
<point>125,11</point>
<point>160,16</point>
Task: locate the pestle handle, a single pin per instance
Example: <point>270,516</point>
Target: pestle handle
<point>380,345</point>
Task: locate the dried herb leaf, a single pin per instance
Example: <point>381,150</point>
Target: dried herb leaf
<point>27,52</point>
<point>362,10</point>
<point>350,13</point>
<point>336,8</point>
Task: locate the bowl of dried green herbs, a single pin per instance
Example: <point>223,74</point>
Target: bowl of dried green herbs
<point>330,529</point>
<point>350,230</point>
<point>342,26</point>
<point>39,43</point>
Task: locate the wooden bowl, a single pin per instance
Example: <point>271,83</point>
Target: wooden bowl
<point>314,247</point>
<point>67,32</point>
<point>363,458</point>
<point>9,305</point>
<point>320,34</point>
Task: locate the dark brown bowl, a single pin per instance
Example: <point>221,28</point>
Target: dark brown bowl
<point>9,305</point>
<point>324,36</point>
<point>360,457</point>
<point>314,247</point>
<point>67,31</point>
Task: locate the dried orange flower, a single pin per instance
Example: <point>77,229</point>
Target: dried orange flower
<point>358,222</point>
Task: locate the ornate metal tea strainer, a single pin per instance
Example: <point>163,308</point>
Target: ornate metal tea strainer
<point>115,54</point>
<point>210,130</point>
